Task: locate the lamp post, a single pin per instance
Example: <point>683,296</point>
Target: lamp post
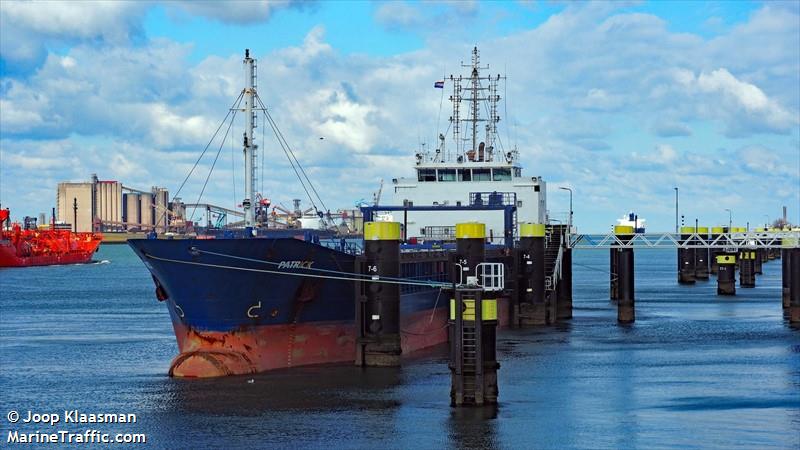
<point>570,205</point>
<point>75,213</point>
<point>676,210</point>
<point>730,219</point>
<point>766,221</point>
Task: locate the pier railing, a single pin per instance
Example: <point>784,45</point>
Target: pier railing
<point>551,281</point>
<point>753,239</point>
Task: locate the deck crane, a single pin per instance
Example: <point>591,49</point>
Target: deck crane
<point>376,198</point>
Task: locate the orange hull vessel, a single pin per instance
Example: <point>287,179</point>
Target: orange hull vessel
<point>22,248</point>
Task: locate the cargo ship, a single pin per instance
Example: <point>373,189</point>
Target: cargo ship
<point>24,247</point>
<point>634,221</point>
<point>253,300</point>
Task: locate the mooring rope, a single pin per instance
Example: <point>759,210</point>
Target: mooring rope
<point>336,272</point>
<point>374,279</point>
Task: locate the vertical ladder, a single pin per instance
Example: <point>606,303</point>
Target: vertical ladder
<point>515,228</point>
<point>469,360</point>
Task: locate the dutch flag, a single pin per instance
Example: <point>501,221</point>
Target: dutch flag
<point>439,85</point>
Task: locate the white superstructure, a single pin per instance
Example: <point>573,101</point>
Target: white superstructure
<point>633,220</point>
<point>472,170</point>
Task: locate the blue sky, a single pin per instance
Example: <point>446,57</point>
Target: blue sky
<point>620,101</point>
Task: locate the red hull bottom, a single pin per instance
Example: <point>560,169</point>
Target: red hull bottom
<point>263,348</point>
<point>9,260</point>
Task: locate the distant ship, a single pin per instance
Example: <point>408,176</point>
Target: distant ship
<point>632,220</point>
<point>253,300</point>
<point>23,247</point>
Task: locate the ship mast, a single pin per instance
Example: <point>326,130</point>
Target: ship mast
<point>250,149</point>
<point>474,100</point>
<point>477,93</point>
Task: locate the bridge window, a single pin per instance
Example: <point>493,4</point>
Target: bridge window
<point>517,172</point>
<point>481,175</point>
<point>426,175</point>
<point>447,174</point>
<point>502,174</point>
<point>464,175</point>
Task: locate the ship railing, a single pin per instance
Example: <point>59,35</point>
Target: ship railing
<point>494,198</point>
<point>350,246</point>
<point>438,277</point>
<point>492,276</point>
<point>551,281</point>
<point>440,233</point>
<point>489,276</point>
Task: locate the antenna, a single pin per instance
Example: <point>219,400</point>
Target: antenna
<point>477,93</point>
<point>455,119</point>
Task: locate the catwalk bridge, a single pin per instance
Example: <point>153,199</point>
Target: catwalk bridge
<point>723,252</point>
<point>736,240</point>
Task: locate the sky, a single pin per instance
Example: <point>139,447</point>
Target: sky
<point>621,101</point>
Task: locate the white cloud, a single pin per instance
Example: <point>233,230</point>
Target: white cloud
<point>346,122</point>
<point>314,46</point>
<point>744,105</point>
<point>747,95</point>
<point>767,162</point>
<point>662,155</point>
<point>33,163</point>
<point>599,99</point>
<point>72,19</point>
<point>667,128</point>
<point>17,118</point>
<point>121,167</point>
<point>430,18</point>
<point>121,91</point>
<point>235,11</point>
<point>27,27</point>
<point>167,128</point>
<point>398,14</point>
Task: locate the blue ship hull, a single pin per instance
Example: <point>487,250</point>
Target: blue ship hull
<point>253,304</point>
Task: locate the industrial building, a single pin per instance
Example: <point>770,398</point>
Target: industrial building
<point>100,205</point>
<point>75,205</point>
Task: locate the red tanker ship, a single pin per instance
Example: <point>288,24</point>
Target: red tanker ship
<point>23,248</point>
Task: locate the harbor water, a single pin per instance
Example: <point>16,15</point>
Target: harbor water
<point>695,370</point>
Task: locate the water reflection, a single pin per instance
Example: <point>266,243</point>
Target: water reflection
<point>317,388</point>
<point>473,427</point>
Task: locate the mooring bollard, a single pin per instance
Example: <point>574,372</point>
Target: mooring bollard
<point>473,320</point>
<point>741,241</point>
<point>378,304</point>
<point>793,255</point>
<point>564,307</point>
<point>701,256</point>
<point>716,232</point>
<point>726,277</point>
<point>747,274</point>
<point>686,258</point>
<point>760,256</point>
<point>786,273</point>
<point>473,355</point>
<point>758,265</point>
<point>613,274</point>
<point>625,269</point>
<point>789,274</point>
<point>531,287</point>
<point>773,253</point>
